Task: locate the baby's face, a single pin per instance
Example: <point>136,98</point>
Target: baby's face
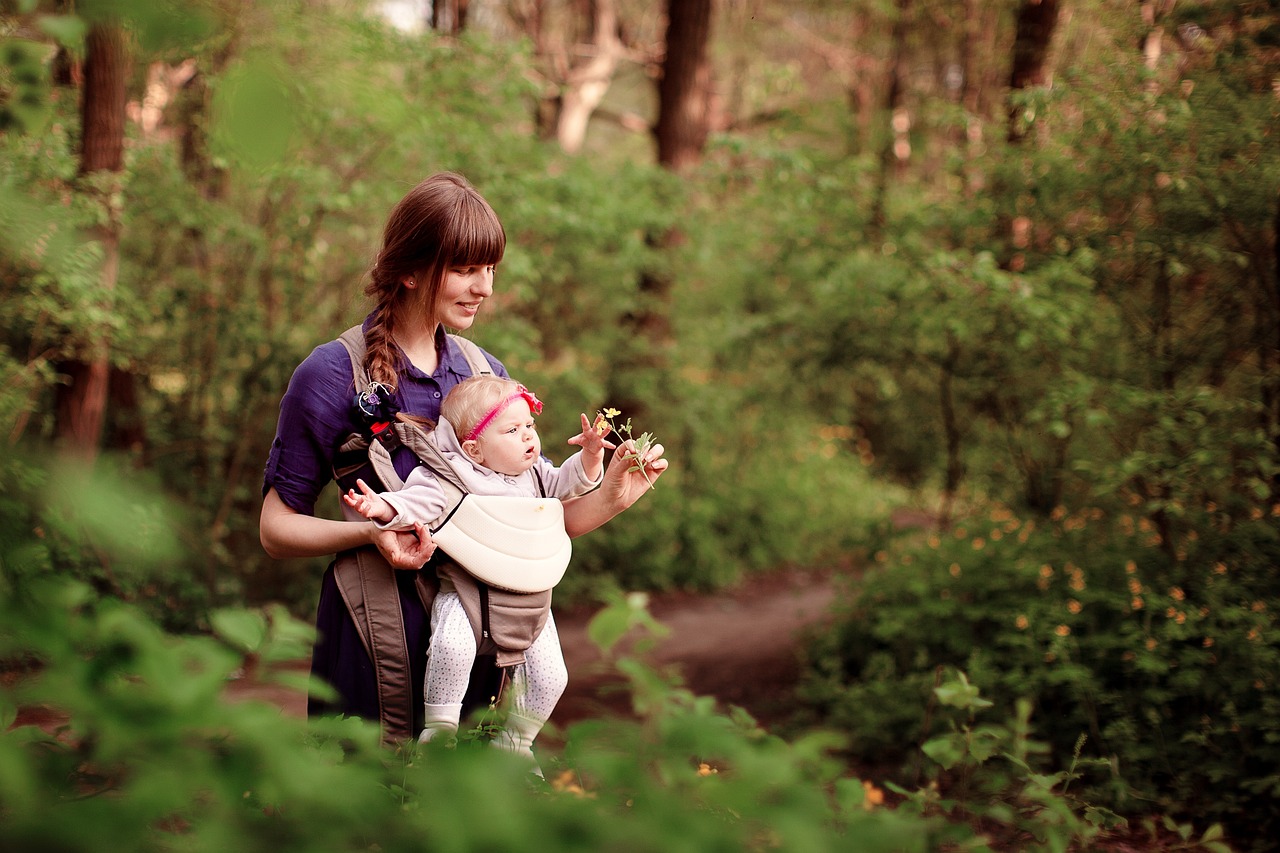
<point>510,444</point>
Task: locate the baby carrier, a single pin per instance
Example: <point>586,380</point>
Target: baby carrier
<point>515,550</point>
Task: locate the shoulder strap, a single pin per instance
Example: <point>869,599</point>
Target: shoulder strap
<point>475,358</point>
<point>353,340</point>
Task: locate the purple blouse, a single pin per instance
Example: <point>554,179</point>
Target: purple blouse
<point>317,414</point>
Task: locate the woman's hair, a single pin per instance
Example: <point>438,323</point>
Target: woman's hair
<point>473,398</point>
<point>440,224</point>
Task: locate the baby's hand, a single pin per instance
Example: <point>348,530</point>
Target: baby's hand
<point>593,445</point>
<point>369,503</point>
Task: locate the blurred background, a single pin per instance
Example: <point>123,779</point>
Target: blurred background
<point>973,301</point>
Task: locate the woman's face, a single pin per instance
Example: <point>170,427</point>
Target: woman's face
<point>461,293</point>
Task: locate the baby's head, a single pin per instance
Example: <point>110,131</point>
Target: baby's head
<point>493,418</point>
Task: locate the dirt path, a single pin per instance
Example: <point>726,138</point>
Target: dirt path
<point>738,645</point>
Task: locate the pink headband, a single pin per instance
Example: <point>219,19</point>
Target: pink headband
<point>522,393</point>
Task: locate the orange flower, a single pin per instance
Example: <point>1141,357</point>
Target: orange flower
<point>871,796</point>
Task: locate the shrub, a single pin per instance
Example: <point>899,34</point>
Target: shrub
<point>1166,666</point>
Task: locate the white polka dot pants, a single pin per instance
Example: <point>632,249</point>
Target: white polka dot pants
<point>536,685</point>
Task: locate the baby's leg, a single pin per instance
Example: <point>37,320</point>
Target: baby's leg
<point>450,656</point>
<point>536,687</point>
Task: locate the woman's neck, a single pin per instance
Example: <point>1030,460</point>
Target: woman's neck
<point>418,343</point>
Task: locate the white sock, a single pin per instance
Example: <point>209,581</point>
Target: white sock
<point>517,737</point>
<point>440,720</point>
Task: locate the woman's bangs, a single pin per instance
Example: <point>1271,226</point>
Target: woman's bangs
<point>478,237</point>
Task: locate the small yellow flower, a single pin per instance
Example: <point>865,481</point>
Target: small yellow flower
<point>1073,606</point>
<point>934,541</point>
<point>1046,571</point>
<point>1062,630</point>
<point>611,413</point>
<point>705,769</point>
<point>1180,618</point>
<point>955,570</point>
<point>1151,643</point>
<point>1135,586</point>
<point>979,543</point>
<point>567,782</point>
<point>1021,622</point>
<point>1177,594</point>
<point>997,534</point>
<point>1208,641</point>
<point>1254,635</point>
<point>1219,568</point>
<point>1136,604</point>
<point>1130,567</point>
<point>1258,606</point>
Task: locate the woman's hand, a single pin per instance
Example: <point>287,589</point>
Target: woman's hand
<point>405,549</point>
<point>630,475</point>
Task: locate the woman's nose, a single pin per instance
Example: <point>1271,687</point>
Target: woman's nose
<point>483,284</point>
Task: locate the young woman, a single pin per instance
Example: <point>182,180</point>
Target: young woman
<point>434,270</point>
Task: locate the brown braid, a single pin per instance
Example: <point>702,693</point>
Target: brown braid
<point>441,223</point>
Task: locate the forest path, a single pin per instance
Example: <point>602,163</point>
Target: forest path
<point>740,645</point>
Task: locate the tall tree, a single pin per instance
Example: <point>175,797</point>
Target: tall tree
<point>589,80</point>
<point>82,398</point>
<point>1036,21</point>
<point>684,93</point>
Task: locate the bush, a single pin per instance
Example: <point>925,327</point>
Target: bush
<point>1166,666</point>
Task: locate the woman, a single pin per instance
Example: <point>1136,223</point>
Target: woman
<point>434,270</point>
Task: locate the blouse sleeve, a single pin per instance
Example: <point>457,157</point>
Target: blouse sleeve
<point>315,416</point>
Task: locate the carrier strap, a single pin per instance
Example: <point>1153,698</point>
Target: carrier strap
<point>366,581</point>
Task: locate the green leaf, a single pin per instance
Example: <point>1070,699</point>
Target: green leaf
<point>948,750</point>
<point>245,630</point>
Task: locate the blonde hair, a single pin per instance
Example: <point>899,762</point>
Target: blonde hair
<point>473,398</point>
<point>441,223</point>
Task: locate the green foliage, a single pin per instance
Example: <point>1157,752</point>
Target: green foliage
<point>1166,666</point>
<point>141,751</point>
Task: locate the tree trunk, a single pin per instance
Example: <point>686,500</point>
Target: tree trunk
<point>892,109</point>
<point>588,82</point>
<point>81,401</point>
<point>684,92</point>
<point>1036,22</point>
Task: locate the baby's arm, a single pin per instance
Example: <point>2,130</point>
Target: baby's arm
<point>593,445</point>
<point>369,503</point>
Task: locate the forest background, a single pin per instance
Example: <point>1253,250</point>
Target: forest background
<point>1008,265</point>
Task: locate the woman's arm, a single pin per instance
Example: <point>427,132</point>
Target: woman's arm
<point>621,488</point>
<point>286,533</point>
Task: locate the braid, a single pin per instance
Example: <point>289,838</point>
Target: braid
<point>379,354</point>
